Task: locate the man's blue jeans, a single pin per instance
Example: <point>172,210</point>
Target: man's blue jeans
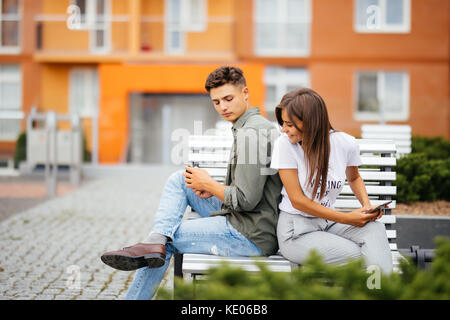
<point>206,235</point>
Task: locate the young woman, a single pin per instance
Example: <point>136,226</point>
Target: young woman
<point>313,161</point>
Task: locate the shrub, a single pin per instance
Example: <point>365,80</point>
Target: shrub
<point>20,153</point>
<point>424,175</point>
<point>317,280</point>
<point>419,178</point>
<point>433,148</point>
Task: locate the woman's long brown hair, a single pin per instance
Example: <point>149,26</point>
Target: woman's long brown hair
<point>306,105</point>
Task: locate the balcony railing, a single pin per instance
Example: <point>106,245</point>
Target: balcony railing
<point>111,40</point>
<point>56,37</point>
<point>160,38</point>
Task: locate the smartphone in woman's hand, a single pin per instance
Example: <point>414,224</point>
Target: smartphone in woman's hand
<point>379,207</point>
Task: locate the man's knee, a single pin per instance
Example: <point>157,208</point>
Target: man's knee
<point>176,177</point>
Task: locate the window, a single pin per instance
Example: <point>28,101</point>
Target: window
<point>9,26</point>
<point>379,16</point>
<point>279,81</point>
<point>382,96</point>
<point>95,17</point>
<point>282,27</point>
<point>84,92</point>
<point>10,101</point>
<point>183,16</point>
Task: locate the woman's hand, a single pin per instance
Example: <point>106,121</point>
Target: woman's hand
<point>369,208</point>
<point>359,217</point>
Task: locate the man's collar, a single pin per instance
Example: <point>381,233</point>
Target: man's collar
<point>243,119</point>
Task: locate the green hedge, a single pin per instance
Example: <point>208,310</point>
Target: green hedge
<point>424,175</point>
<point>21,149</point>
<point>317,280</point>
<point>434,148</point>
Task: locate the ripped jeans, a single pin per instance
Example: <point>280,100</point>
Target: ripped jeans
<point>206,235</point>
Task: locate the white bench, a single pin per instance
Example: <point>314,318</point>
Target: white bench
<point>401,134</point>
<point>212,154</point>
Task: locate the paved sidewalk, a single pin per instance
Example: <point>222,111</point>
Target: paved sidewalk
<point>52,251</point>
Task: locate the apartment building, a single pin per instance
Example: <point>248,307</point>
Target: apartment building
<point>135,69</point>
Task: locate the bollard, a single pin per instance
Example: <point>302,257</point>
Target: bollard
<point>75,143</point>
<point>418,256</point>
<point>51,164</point>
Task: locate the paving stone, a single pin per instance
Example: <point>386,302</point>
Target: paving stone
<point>43,245</point>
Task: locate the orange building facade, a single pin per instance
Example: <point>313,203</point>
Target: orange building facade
<point>118,63</point>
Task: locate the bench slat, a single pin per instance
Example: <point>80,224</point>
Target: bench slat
<point>388,219</point>
<point>366,175</point>
<point>209,157</point>
<point>396,136</point>
<point>404,150</point>
<point>391,234</point>
<point>222,156</point>
<point>226,142</point>
<point>379,161</point>
<point>377,148</point>
<point>201,263</point>
<point>386,128</point>
<point>400,140</point>
<point>373,190</point>
<point>377,175</point>
<point>226,145</point>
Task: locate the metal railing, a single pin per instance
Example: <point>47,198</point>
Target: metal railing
<point>53,36</point>
<point>112,38</point>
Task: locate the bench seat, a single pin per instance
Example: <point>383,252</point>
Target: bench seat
<point>377,170</point>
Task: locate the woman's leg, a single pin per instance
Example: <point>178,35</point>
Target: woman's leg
<point>298,235</point>
<point>372,240</point>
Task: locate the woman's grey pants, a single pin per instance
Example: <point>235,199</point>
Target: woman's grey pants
<point>335,242</point>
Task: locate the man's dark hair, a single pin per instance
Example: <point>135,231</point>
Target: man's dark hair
<point>224,75</point>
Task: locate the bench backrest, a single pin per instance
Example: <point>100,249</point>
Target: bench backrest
<point>401,134</point>
<point>377,170</point>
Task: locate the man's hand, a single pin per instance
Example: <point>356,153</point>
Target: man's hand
<point>203,194</point>
<point>197,179</point>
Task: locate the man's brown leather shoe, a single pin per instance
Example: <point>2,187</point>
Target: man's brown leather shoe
<point>137,256</point>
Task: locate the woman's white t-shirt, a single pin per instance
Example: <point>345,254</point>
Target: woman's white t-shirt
<point>344,152</point>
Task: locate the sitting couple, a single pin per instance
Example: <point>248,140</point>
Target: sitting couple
<point>245,216</point>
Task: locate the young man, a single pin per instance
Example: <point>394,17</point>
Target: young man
<point>238,218</point>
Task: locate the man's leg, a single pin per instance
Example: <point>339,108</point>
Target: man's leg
<point>175,198</point>
<point>146,281</point>
<point>213,235</point>
<point>174,201</point>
